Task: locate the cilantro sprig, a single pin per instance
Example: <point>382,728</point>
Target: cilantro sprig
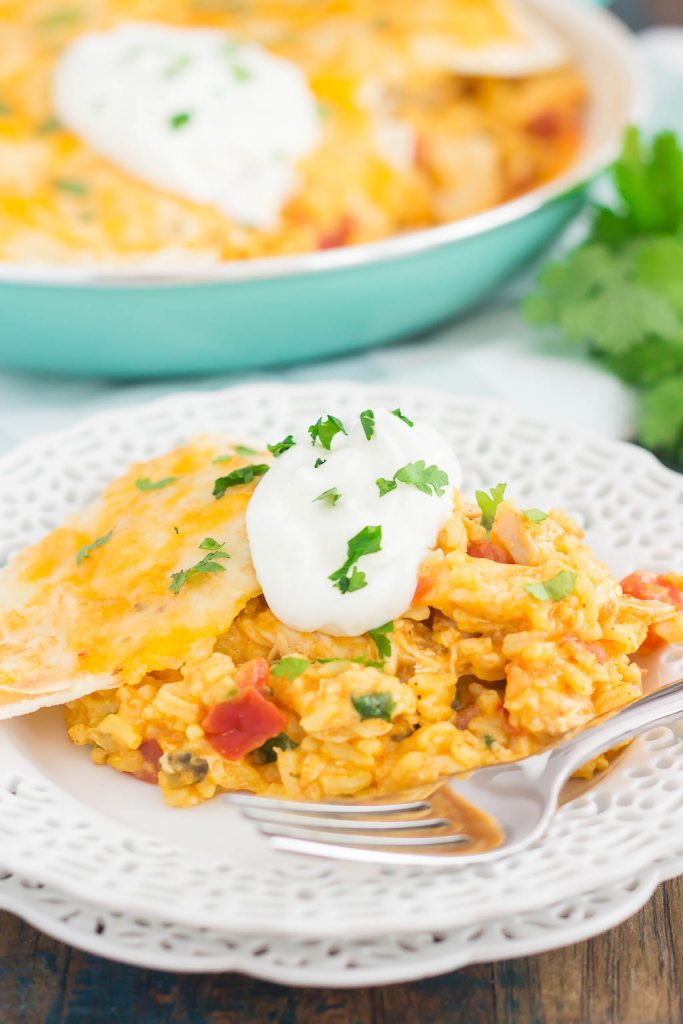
<point>331,496</point>
<point>325,429</point>
<point>400,415</point>
<point>367,422</point>
<point>289,667</point>
<point>282,446</point>
<point>620,294</point>
<point>348,578</point>
<point>374,705</point>
<point>380,638</point>
<point>488,503</point>
<point>244,475</point>
<point>555,589</point>
<point>210,563</point>
<point>145,484</point>
<point>88,549</point>
<point>428,479</point>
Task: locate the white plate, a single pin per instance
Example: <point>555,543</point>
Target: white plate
<point>346,963</point>
<point>110,841</point>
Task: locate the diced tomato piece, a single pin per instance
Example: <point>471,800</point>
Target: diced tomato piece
<point>253,674</point>
<point>423,585</point>
<point>487,549</point>
<point>151,751</point>
<point>238,726</point>
<point>337,235</point>
<point>547,124</point>
<point>648,586</point>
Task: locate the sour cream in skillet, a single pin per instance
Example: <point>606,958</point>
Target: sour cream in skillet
<point>193,112</point>
<point>313,502</point>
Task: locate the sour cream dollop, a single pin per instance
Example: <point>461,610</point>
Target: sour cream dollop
<point>193,112</point>
<point>297,542</point>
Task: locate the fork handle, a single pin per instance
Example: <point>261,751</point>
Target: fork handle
<point>658,708</point>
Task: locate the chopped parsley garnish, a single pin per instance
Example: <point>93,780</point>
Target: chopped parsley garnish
<point>428,479</point>
<point>331,496</point>
<point>241,73</point>
<point>367,422</point>
<point>208,564</point>
<point>179,120</point>
<point>282,446</point>
<point>61,19</point>
<point>381,640</point>
<point>367,541</point>
<point>71,186</point>
<point>399,414</point>
<point>268,750</point>
<point>245,475</point>
<point>325,429</point>
<point>534,515</point>
<point>488,503</point>
<point>374,705</point>
<point>86,551</point>
<point>145,484</point>
<point>555,589</point>
<point>245,451</point>
<point>368,662</point>
<point>489,740</point>
<point>289,667</point>
<point>178,66</point>
<point>48,126</point>
<point>318,463</point>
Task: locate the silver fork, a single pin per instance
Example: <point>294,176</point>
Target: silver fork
<point>521,798</point>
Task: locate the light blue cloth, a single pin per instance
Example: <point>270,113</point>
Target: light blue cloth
<point>489,354</point>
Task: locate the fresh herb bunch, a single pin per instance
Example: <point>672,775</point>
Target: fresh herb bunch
<point>621,292</point>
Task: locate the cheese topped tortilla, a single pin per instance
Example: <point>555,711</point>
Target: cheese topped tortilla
<point>90,606</point>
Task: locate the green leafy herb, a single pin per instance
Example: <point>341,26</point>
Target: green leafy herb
<point>367,422</point>
<point>268,750</point>
<point>534,515</point>
<point>289,667</point>
<point>367,541</point>
<point>245,475</point>
<point>620,294</point>
<point>180,120</point>
<point>208,564</point>
<point>86,551</point>
<point>318,463</point>
<point>61,19</point>
<point>245,451</point>
<point>71,186</point>
<point>428,479</point>
<point>48,126</point>
<point>489,740</point>
<point>178,66</point>
<point>384,486</point>
<point>241,73</point>
<point>381,640</point>
<point>325,429</point>
<point>368,662</point>
<point>374,705</point>
<point>488,503</point>
<point>145,484</point>
<point>331,496</point>
<point>555,589</point>
<point>397,412</point>
<point>282,446</point>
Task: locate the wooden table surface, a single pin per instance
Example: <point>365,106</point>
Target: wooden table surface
<point>631,975</point>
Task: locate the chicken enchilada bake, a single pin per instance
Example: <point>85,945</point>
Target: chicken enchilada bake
<point>198,129</point>
<point>328,617</point>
